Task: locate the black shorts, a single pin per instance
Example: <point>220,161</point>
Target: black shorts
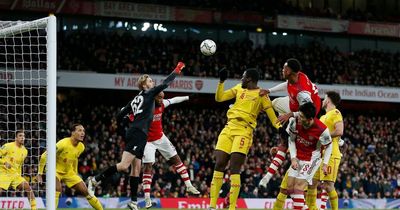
<point>135,142</point>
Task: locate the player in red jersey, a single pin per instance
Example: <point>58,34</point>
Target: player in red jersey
<point>300,90</point>
<point>156,140</point>
<point>307,137</point>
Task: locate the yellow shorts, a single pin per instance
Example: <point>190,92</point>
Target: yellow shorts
<point>69,179</point>
<point>333,169</point>
<point>235,139</point>
<point>284,181</point>
<point>14,180</point>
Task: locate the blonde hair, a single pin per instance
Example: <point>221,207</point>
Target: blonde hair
<point>142,80</point>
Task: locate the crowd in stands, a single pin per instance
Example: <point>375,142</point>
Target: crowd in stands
<point>274,7</point>
<point>370,166</point>
<point>124,53</point>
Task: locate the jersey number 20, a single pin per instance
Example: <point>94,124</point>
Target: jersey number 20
<point>137,105</point>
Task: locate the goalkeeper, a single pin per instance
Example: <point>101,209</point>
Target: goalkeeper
<point>12,157</point>
<point>68,151</point>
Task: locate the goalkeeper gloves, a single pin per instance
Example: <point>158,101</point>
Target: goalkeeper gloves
<point>179,67</point>
<point>223,74</point>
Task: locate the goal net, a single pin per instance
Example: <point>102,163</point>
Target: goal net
<point>28,103</point>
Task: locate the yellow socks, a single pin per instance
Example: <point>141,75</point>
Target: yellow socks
<point>216,185</point>
<point>333,198</point>
<point>57,197</point>
<point>280,201</point>
<point>234,192</point>
<point>94,202</point>
<point>33,204</point>
<point>311,199</point>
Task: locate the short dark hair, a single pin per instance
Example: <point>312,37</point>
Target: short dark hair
<point>18,132</point>
<point>334,96</point>
<point>73,127</point>
<point>308,109</point>
<point>253,74</point>
<point>294,64</point>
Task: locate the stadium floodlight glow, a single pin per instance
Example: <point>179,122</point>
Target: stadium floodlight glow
<point>119,24</point>
<point>30,98</point>
<point>161,28</point>
<point>230,31</point>
<point>146,25</point>
<point>274,33</point>
<point>284,34</point>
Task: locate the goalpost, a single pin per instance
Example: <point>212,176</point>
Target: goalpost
<point>28,81</point>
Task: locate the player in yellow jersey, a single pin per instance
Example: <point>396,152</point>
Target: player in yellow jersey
<point>68,151</point>
<point>12,156</point>
<point>236,138</point>
<point>334,121</point>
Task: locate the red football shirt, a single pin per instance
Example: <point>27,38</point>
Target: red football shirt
<point>156,130</point>
<point>303,84</point>
<point>307,139</point>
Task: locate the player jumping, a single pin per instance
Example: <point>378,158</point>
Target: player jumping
<point>300,90</point>
<point>236,138</point>
<point>156,140</point>
<point>142,107</point>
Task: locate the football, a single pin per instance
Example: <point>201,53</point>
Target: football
<point>208,47</point>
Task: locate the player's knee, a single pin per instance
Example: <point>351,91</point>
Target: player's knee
<point>220,165</point>
<point>174,160</point>
<point>147,167</point>
<point>284,191</point>
<point>328,186</point>
<point>123,167</point>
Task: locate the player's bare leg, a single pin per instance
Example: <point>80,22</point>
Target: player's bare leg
<point>24,186</point>
<point>222,159</point>
<point>122,166</point>
<point>180,168</point>
<point>311,197</point>
<point>93,201</point>
<point>134,182</point>
<point>237,160</point>
<point>147,179</point>
<point>329,187</point>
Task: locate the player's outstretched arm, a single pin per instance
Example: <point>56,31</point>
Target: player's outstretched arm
<point>157,89</point>
<point>221,95</point>
<point>175,100</point>
<point>280,87</point>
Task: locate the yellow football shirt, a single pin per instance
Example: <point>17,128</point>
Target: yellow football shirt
<point>247,106</point>
<point>66,157</point>
<point>330,119</point>
<point>14,155</point>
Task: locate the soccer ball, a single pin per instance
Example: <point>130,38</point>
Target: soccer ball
<point>208,47</point>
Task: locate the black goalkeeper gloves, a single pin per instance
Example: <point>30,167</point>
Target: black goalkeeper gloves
<point>223,74</point>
